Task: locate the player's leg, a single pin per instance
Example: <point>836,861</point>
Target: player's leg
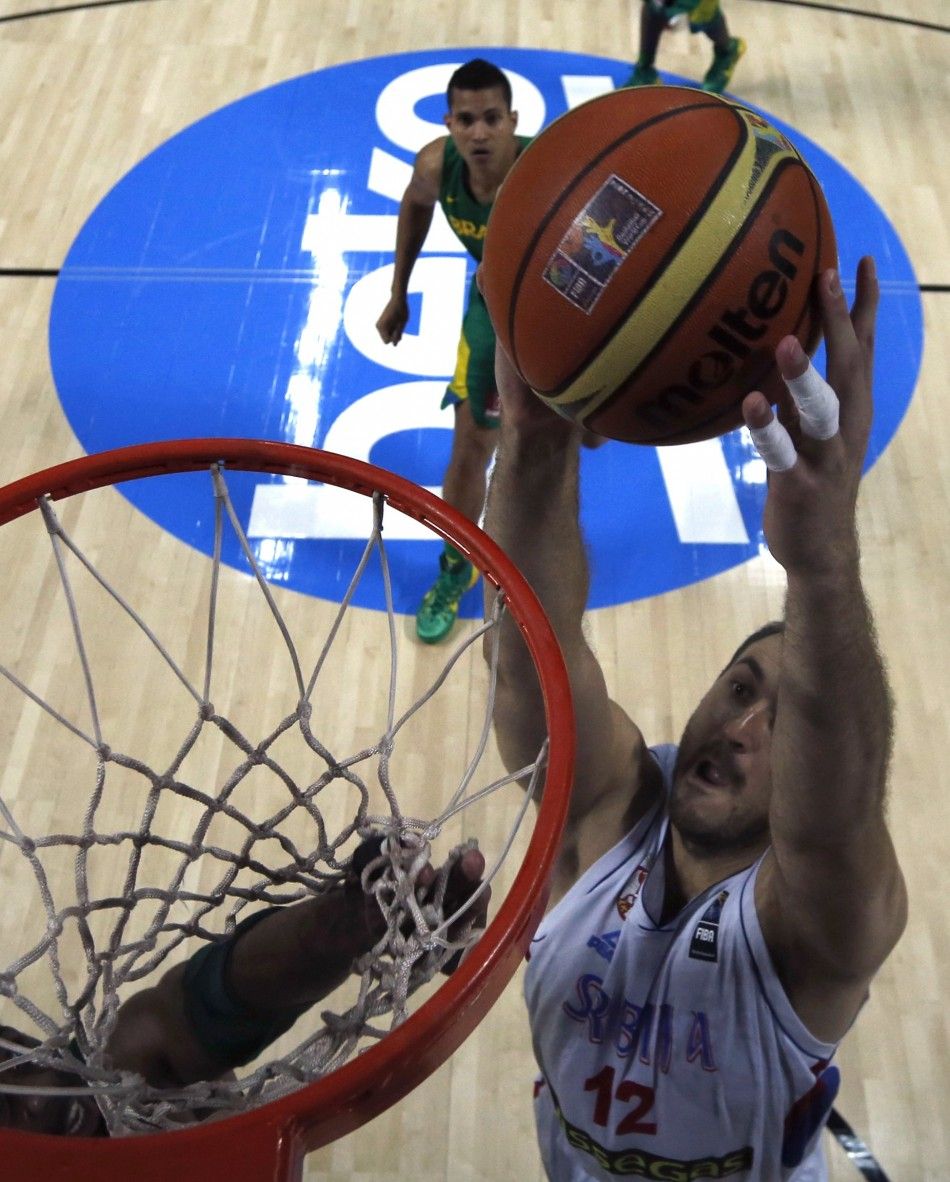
<point>473,395</point>
<point>652,24</point>
<point>708,18</point>
<point>464,489</point>
<point>465,482</point>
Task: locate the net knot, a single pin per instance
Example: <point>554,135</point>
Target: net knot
<point>207,711</point>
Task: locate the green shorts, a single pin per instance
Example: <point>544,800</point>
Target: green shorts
<point>474,378</point>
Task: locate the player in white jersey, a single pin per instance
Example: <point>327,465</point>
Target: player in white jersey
<point>633,1017</point>
<point>721,907</point>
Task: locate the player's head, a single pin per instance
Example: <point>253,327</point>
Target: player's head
<point>480,119</point>
<point>39,1112</point>
<point>722,781</point>
<point>478,74</point>
<point>772,628</point>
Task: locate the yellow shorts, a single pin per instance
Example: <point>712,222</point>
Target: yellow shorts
<point>703,15</point>
<point>474,378</point>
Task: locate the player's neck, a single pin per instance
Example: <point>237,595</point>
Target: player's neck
<point>484,181</point>
<point>690,872</point>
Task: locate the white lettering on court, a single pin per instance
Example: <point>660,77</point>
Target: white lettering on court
<point>696,477</point>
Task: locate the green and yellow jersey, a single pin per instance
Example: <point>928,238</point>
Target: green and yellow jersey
<point>467,217</point>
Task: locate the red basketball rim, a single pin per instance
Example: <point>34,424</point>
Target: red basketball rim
<point>270,1142</point>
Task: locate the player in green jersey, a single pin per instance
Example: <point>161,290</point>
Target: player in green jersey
<point>704,16</point>
<point>461,172</point>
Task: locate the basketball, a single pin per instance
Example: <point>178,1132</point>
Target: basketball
<point>646,254</point>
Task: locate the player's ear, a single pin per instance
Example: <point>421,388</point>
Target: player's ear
<point>514,119</point>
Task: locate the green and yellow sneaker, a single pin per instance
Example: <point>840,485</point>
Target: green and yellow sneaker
<point>642,76</point>
<point>440,606</point>
<point>723,64</point>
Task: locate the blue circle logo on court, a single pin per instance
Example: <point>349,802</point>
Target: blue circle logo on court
<point>230,285</point>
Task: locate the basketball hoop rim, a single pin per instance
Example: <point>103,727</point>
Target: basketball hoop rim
<point>331,1107</point>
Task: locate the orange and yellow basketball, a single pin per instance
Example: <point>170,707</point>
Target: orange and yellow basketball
<point>646,254</point>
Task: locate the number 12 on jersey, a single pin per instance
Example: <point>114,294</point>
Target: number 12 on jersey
<point>639,1095</point>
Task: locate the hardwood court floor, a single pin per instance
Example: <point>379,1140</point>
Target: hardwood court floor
<point>86,91</point>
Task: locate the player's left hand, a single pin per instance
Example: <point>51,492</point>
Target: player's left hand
<point>464,881</point>
<point>815,449</point>
<point>451,890</point>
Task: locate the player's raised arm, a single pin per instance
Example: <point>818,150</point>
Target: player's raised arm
<point>532,512</point>
<point>833,900</point>
<point>415,218</point>
<point>237,995</point>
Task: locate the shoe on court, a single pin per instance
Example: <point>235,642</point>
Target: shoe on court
<point>440,606</point>
<point>723,65</point>
<point>642,76</point>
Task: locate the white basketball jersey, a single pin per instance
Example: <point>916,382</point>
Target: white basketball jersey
<point>669,1052</point>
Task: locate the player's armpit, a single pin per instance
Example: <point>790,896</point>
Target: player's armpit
<point>625,782</point>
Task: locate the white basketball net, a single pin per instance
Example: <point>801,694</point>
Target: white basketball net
<point>279,856</point>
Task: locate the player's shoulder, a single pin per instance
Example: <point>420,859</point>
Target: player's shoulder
<point>427,169</point>
<point>431,158</point>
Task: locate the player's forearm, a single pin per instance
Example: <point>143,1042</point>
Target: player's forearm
<point>532,513</point>
<point>180,1031</point>
<point>309,949</point>
<point>411,230</point>
<point>834,719</point>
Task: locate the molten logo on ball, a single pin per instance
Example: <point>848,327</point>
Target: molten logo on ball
<point>766,297</point>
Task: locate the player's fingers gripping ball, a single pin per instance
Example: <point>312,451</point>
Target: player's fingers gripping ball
<point>818,413</point>
<point>645,256</point>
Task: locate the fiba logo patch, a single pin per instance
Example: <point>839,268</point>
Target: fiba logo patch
<point>705,942</point>
<point>231,282</point>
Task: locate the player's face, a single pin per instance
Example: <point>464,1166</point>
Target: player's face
<point>482,127</point>
<point>36,1112</point>
<point>722,780</point>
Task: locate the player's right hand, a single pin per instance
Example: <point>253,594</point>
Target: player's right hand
<point>816,456</point>
<point>394,319</point>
